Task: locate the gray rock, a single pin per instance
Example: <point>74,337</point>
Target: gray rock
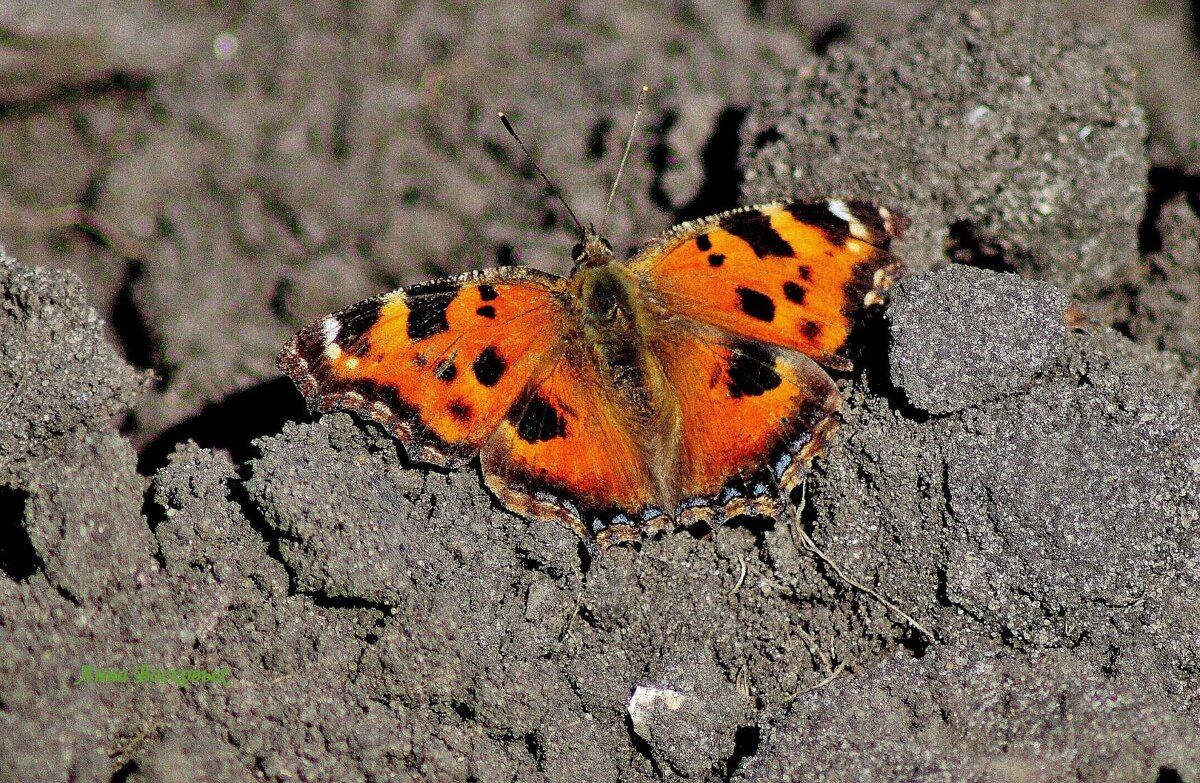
<point>689,714</point>
<point>961,336</point>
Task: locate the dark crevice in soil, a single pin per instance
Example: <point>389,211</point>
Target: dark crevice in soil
<point>766,136</point>
<point>721,187</point>
<point>745,745</point>
<point>280,298</point>
<point>660,158</point>
<point>641,746</point>
<point>757,525</point>
<point>966,245</point>
<point>230,424</point>
<point>1168,775</point>
<point>585,559</point>
<point>240,497</point>
<point>273,536</point>
<point>67,595</point>
<point>597,140</point>
<point>1164,185</point>
<point>533,745</point>
<point>830,36</point>
<point>352,602</point>
<point>155,514</point>
<point>914,641</point>
<point>701,530</point>
<point>138,344</point>
<point>125,772</point>
<point>874,368</point>
<point>117,84</point>
<point>19,559</point>
<point>506,255</point>
<point>1196,23</point>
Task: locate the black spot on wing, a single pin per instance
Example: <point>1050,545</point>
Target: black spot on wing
<point>427,314</point>
<point>487,311</point>
<point>704,243</point>
<point>489,367</point>
<point>752,371</point>
<point>793,292</point>
<point>716,259</point>
<point>804,271</point>
<point>754,228</point>
<point>756,304</point>
<point>817,214</point>
<point>460,410</point>
<point>811,329</point>
<point>356,322</point>
<point>537,420</point>
<point>487,292</point>
<point>446,371</point>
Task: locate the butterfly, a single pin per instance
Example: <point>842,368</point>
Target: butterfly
<point>681,385</point>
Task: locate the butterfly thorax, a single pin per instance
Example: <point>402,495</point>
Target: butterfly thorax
<point>613,317</point>
<point>620,329</point>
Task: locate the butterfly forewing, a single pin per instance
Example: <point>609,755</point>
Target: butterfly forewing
<point>439,364</point>
<point>796,275</point>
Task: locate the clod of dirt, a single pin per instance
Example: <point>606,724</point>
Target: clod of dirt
<point>961,336</point>
<point>965,713</point>
<point>689,714</point>
<point>50,340</point>
<point>1008,119</point>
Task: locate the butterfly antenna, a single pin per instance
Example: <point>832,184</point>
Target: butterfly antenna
<point>508,127</point>
<point>628,145</point>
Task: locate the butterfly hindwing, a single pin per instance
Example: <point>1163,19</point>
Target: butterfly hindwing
<point>567,452</point>
<point>439,364</point>
<point>792,274</point>
<point>752,415</point>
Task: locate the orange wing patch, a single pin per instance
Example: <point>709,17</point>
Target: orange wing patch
<point>439,364</point>
<point>796,275</point>
<point>566,452</point>
<point>752,416</point>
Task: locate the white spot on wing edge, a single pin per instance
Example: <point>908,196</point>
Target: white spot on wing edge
<point>840,209</point>
<point>332,351</point>
<point>330,327</point>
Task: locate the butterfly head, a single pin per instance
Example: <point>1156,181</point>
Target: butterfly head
<point>592,250</point>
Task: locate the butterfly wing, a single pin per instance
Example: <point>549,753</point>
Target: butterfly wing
<point>570,453</point>
<point>796,275</point>
<point>751,415</point>
<point>439,364</point>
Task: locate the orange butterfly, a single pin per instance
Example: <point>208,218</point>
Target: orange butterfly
<point>680,385</point>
